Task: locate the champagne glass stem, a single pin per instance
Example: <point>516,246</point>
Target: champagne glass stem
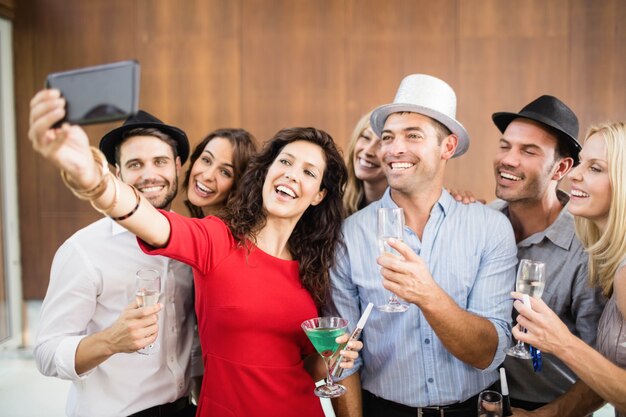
<point>393,299</point>
<point>520,344</point>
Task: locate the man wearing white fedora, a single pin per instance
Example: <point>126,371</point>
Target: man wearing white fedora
<point>455,271</point>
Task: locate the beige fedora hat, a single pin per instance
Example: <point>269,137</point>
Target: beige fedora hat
<point>427,95</point>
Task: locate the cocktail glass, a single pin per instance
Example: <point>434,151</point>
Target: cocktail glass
<point>322,332</point>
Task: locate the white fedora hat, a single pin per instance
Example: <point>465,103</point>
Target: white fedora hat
<point>427,95</point>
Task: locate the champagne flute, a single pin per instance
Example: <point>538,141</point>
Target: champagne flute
<point>390,225</point>
<point>322,332</point>
<point>531,279</point>
<point>489,404</point>
<point>147,292</point>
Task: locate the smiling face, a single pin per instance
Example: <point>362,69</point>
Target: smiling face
<point>526,162</point>
<point>293,180</point>
<point>212,175</point>
<point>412,153</point>
<point>367,166</point>
<point>591,186</point>
<point>148,164</point>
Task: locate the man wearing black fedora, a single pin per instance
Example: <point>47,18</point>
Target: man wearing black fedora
<point>454,272</point>
<point>538,147</point>
<point>92,326</point>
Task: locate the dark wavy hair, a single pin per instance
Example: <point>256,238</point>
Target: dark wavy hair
<point>244,146</point>
<point>316,235</point>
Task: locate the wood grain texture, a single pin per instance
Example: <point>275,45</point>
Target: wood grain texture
<point>268,64</point>
<point>7,9</point>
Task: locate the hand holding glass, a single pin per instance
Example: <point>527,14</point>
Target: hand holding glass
<point>531,279</point>
<point>147,292</point>
<point>390,225</point>
<point>322,332</point>
<point>489,404</point>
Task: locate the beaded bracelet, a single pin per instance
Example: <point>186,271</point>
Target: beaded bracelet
<point>100,188</point>
<point>130,213</point>
<point>97,191</point>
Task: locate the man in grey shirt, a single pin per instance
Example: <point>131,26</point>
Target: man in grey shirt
<point>537,149</point>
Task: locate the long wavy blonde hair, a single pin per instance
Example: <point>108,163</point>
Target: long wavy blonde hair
<point>607,249</point>
<point>354,194</point>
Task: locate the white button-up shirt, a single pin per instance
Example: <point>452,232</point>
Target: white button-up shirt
<point>92,280</point>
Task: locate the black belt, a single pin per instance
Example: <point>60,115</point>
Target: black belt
<point>466,408</point>
<point>164,410</point>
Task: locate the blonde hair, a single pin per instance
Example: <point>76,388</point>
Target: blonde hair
<point>607,249</point>
<point>354,194</point>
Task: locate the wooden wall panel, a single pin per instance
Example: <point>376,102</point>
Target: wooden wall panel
<point>191,63</point>
<point>268,64</point>
<point>292,65</point>
<point>388,40</point>
<point>598,61</point>
<point>7,9</point>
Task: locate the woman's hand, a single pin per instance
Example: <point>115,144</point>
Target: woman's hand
<point>349,356</point>
<point>66,147</point>
<point>545,330</point>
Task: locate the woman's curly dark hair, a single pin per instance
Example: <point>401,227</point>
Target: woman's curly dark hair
<point>244,146</point>
<point>316,235</point>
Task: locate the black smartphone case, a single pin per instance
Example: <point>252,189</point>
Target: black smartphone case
<point>98,94</point>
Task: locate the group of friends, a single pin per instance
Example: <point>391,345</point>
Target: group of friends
<point>284,233</point>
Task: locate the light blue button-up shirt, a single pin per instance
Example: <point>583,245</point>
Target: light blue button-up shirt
<point>470,251</point>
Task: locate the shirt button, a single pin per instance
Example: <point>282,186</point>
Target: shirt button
<point>171,359</point>
<point>430,380</point>
<point>171,299</point>
<point>427,341</point>
<point>180,386</point>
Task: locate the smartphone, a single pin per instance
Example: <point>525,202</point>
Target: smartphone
<point>99,94</point>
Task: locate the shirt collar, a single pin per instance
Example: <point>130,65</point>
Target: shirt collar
<point>561,232</point>
<point>444,203</point>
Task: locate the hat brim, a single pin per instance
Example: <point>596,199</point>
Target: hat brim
<point>111,140</point>
<point>503,119</point>
<point>380,115</point>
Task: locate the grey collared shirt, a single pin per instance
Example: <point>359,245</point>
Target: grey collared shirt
<point>568,293</point>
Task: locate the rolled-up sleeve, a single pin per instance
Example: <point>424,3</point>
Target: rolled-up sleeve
<point>344,300</point>
<point>67,308</point>
<point>490,296</point>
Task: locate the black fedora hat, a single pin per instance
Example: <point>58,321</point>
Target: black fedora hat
<point>551,112</point>
<point>143,119</point>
